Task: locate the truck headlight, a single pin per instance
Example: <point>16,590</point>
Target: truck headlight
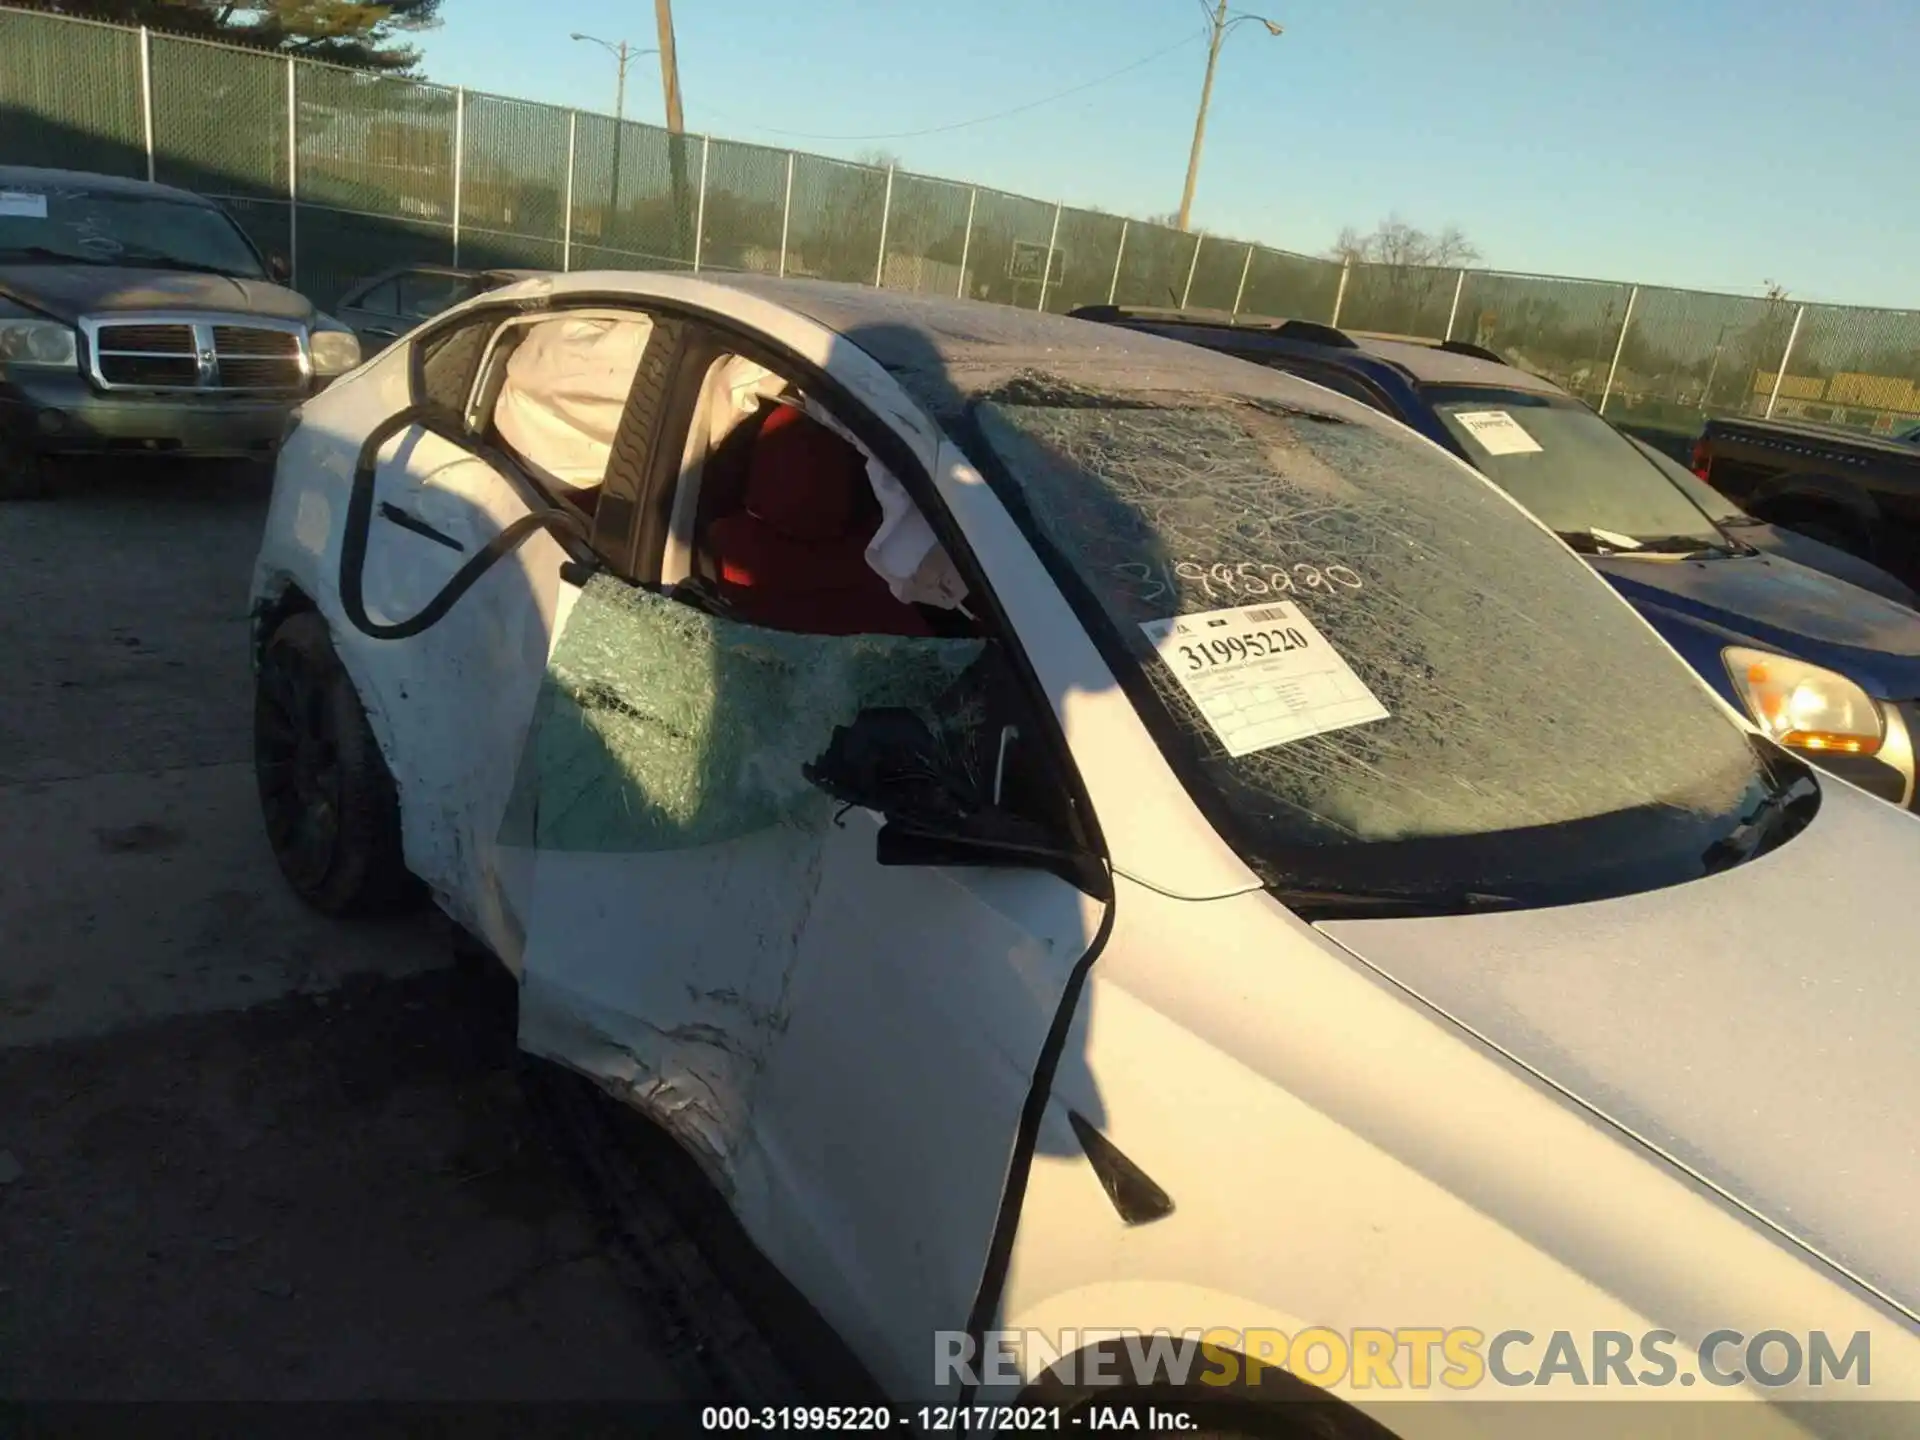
<point>335,348</point>
<point>43,343</point>
<point>1803,706</point>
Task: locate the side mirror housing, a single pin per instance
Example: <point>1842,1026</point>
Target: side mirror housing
<point>888,760</point>
<point>279,269</point>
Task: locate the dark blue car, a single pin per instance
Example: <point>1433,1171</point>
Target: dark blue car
<point>1821,649</point>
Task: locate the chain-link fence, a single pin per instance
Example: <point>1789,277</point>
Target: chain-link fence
<point>345,174</point>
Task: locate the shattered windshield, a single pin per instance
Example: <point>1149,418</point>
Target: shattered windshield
<point>1583,478</point>
<point>1376,675</point>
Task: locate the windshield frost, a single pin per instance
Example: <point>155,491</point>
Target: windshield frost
<point>1520,693</point>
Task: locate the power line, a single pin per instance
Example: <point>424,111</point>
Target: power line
<point>977,120</point>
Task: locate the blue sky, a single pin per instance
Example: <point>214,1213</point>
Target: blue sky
<point>1700,143</point>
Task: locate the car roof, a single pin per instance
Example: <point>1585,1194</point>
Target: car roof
<point>971,345</point>
<point>1424,360</point>
<point>945,352</point>
<point>33,176</point>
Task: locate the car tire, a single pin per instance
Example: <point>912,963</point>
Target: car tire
<point>328,801</point>
<point>24,475</point>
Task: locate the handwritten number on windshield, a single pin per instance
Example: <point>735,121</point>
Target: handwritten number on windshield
<point>1211,654</point>
<point>1249,579</point>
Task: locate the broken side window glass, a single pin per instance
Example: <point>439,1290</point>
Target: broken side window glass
<point>660,727</point>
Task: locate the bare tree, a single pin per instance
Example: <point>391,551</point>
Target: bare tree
<point>1402,276</point>
<point>1393,242</point>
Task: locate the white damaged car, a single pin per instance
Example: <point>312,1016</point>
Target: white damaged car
<point>1090,842</point>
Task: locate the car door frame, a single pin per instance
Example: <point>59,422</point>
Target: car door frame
<point>446,411</point>
<point>354,314</point>
<point>726,335</point>
<point>711,336</point>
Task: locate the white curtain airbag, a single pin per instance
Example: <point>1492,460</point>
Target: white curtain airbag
<point>565,388</point>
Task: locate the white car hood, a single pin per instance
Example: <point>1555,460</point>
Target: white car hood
<point>1761,1027</point>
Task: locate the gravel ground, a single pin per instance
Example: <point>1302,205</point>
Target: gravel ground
<point>245,1152</point>
<point>339,1195</point>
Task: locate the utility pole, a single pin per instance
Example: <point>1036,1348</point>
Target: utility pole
<point>676,120</point>
<point>1218,24</point>
<point>669,65</point>
<point>622,53</point>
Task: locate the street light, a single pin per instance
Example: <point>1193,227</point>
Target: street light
<point>1219,22</point>
<point>622,53</point>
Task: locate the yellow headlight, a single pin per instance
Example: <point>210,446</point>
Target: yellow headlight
<point>1805,706</point>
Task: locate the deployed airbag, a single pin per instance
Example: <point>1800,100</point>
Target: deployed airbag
<point>904,551</point>
<point>565,389</point>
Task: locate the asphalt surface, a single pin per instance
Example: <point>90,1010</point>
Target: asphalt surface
<point>246,1153</point>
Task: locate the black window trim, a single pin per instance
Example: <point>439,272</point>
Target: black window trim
<point>451,420</point>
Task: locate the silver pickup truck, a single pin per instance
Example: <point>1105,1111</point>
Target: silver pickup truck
<point>138,318</point>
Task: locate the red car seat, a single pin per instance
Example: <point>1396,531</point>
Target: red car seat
<point>793,556</point>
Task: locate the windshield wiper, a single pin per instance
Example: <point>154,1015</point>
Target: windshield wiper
<point>1765,828</point>
<point>1681,545</point>
<point>59,257</point>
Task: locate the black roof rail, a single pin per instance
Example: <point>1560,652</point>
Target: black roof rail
<point>1308,331</point>
<point>1168,315</point>
<point>1477,352</point>
<point>1314,333</point>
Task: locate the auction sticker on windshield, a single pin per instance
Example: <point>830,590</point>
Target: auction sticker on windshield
<point>1261,675</point>
<point>23,205</point>
<point>1497,432</point>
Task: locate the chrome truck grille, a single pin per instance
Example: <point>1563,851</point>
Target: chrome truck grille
<point>223,354</point>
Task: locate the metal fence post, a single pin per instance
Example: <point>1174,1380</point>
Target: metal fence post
<point>1785,358</point>
<point>1618,345</point>
<point>566,225</point>
<point>146,94</point>
<point>459,161</point>
<point>1192,265</point>
<point>966,244</point>
<point>886,214</point>
<point>1113,285</point>
<point>1340,295</point>
<point>1713,369</point>
<point>1046,266</point>
<point>1240,290</point>
<point>786,214</point>
<point>700,205</point>
<point>293,174</point>
<point>1459,284</point>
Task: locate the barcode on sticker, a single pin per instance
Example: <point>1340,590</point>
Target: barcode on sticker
<point>1262,616</point>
